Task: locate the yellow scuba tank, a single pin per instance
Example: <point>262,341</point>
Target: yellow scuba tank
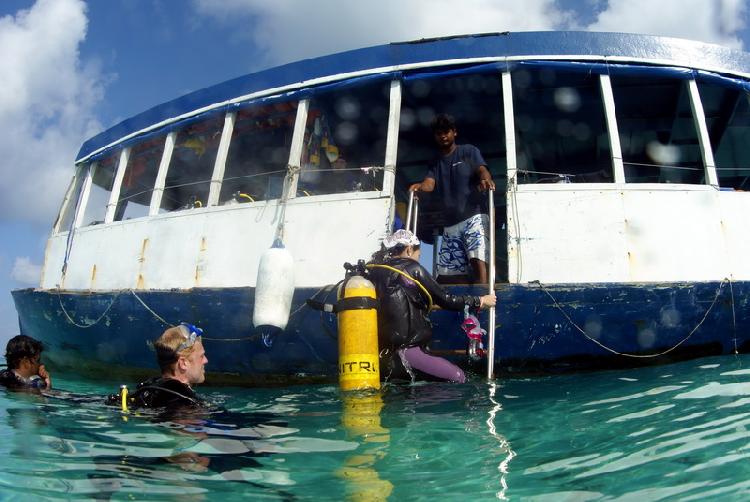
<point>359,367</point>
<point>124,397</point>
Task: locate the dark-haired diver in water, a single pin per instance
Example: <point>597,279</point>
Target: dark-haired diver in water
<point>25,370</point>
<point>182,359</point>
<point>405,291</point>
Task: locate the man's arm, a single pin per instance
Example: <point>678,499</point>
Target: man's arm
<point>428,185</point>
<point>485,179</point>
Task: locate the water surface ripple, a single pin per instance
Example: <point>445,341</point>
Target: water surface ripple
<point>676,432</point>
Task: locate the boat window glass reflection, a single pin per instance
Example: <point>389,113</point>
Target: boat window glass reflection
<point>561,129</point>
<point>192,164</point>
<point>139,178</point>
<point>727,113</point>
<point>658,136</point>
<point>102,179</point>
<point>344,144</point>
<point>258,153</point>
<point>68,211</point>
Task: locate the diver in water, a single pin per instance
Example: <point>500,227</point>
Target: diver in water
<point>182,359</point>
<point>405,291</point>
<point>25,370</point>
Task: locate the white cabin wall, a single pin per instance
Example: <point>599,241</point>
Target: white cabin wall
<point>221,246</point>
<point>647,233</point>
<point>735,230</point>
<point>567,236</point>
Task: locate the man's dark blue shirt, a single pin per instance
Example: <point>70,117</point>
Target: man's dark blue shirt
<point>456,181</point>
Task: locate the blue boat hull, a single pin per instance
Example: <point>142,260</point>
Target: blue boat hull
<point>539,328</point>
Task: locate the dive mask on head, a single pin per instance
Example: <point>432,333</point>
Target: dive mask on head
<point>193,332</point>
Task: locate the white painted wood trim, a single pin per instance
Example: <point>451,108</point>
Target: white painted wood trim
<point>295,150</point>
<point>391,143</point>
<point>65,202</point>
<point>618,168</point>
<point>85,192</point>
<point>221,159</point>
<point>704,139</point>
<point>161,175</point>
<point>510,126</point>
<point>114,196</point>
<point>513,243</point>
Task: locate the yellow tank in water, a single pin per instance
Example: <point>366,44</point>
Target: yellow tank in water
<point>359,367</point>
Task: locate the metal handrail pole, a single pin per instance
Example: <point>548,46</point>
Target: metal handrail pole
<point>416,215</point>
<point>408,210</point>
<point>491,290</point>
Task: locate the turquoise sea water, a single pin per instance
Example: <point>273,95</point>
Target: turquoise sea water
<point>676,432</point>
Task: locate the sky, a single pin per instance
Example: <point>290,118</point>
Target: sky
<point>71,68</point>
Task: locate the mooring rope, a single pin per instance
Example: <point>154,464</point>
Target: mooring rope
<point>84,326</point>
<point>734,318</point>
<point>625,354</point>
<point>160,318</point>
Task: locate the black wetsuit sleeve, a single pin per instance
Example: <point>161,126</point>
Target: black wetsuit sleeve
<point>439,295</point>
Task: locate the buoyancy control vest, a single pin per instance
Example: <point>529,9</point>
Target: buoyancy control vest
<point>403,314</point>
<point>160,392</point>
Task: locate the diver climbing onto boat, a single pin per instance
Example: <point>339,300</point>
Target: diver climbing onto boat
<point>406,292</point>
<point>182,359</point>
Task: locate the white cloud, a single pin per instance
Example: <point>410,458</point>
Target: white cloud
<point>46,106</point>
<point>716,21</point>
<point>287,30</point>
<point>26,272</point>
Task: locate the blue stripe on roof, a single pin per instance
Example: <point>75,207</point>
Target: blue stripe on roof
<point>682,52</point>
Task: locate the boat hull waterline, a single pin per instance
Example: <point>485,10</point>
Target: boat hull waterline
<point>540,328</point>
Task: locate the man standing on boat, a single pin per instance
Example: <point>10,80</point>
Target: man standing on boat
<point>459,175</point>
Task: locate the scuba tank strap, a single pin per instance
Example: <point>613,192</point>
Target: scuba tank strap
<point>323,306</point>
<point>354,303</point>
<point>427,294</point>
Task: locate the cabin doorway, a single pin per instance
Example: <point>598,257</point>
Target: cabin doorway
<point>475,101</point>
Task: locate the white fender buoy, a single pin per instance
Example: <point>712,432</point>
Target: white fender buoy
<point>274,288</point>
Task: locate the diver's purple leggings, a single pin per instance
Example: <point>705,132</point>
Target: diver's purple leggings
<point>432,365</point>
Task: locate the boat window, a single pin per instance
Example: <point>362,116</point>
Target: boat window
<point>259,153</point>
<point>561,129</point>
<point>139,178</point>
<point>69,210</point>
<point>102,178</point>
<point>658,136</point>
<point>728,121</point>
<point>192,164</point>
<point>476,104</point>
<point>344,145</point>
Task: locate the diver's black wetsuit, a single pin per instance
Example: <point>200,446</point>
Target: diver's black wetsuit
<point>403,320</point>
<point>160,392</point>
<point>9,379</point>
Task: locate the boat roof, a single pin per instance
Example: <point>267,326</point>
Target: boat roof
<point>444,51</point>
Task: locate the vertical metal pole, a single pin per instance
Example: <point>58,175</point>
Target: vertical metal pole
<point>491,288</point>
<point>416,216</point>
<point>435,251</point>
<point>408,210</point>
